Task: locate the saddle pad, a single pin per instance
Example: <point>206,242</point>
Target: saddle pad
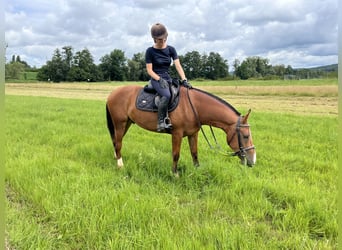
<point>145,102</point>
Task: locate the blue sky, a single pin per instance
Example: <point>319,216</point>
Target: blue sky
<point>300,33</point>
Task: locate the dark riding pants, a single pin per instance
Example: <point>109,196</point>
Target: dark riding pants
<point>162,91</point>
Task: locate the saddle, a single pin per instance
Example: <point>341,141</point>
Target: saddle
<point>148,98</point>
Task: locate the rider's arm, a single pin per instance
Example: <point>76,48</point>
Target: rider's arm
<point>179,69</point>
<point>151,73</point>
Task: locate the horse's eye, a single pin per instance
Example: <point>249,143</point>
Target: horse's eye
<point>245,136</point>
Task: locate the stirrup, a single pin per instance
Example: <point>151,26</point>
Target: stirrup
<point>167,123</point>
<point>164,125</point>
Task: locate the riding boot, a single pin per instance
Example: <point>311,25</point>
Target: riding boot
<point>162,109</point>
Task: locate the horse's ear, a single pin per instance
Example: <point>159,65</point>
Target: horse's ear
<point>245,117</point>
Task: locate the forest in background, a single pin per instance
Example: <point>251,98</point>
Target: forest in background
<point>69,66</point>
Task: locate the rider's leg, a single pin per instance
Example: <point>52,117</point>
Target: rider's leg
<point>162,110</point>
<point>163,104</point>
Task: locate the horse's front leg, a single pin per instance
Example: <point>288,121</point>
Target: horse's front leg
<point>193,139</point>
<point>176,146</point>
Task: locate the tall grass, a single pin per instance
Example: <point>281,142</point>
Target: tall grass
<point>64,191</point>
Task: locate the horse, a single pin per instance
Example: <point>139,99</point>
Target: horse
<point>196,108</point>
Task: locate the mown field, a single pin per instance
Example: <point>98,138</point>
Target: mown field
<point>64,191</point>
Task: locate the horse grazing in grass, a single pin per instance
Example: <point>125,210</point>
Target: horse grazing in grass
<point>195,108</point>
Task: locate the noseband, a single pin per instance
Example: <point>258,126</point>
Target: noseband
<point>242,151</point>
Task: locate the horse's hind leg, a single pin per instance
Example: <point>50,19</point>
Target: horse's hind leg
<point>193,139</point>
<point>120,131</point>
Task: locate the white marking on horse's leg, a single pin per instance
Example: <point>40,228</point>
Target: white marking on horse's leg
<point>115,155</point>
<point>120,163</point>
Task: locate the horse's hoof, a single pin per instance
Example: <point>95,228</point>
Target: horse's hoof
<point>120,163</point>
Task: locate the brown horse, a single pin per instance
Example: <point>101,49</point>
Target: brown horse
<point>195,108</point>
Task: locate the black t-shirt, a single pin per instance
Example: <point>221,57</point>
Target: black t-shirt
<point>160,58</point>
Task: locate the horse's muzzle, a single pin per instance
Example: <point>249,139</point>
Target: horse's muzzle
<point>248,159</point>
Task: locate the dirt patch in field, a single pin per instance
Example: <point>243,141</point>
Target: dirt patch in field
<point>61,90</point>
<point>321,91</point>
<point>326,106</point>
<point>304,100</point>
<point>309,100</point>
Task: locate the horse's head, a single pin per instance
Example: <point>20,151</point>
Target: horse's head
<point>241,141</point>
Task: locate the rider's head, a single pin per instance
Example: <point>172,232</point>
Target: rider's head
<point>158,31</point>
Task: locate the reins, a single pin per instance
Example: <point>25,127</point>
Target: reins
<point>218,147</point>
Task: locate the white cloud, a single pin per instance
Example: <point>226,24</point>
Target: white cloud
<point>301,33</point>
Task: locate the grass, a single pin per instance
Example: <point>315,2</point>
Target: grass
<point>64,191</point>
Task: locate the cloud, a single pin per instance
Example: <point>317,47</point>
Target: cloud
<point>296,32</point>
<point>257,13</point>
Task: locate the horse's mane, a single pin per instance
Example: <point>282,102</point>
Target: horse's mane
<point>219,99</point>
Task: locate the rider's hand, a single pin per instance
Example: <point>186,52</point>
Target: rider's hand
<point>186,84</point>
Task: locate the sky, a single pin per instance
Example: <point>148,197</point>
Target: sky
<point>300,33</point>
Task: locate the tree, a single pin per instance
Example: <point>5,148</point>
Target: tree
<point>215,66</point>
<point>278,70</point>
<point>55,70</point>
<point>67,55</point>
<point>192,65</point>
<point>114,66</point>
<point>16,58</point>
<point>197,66</point>
<point>245,71</point>
<point>137,68</point>
<point>65,66</point>
<point>83,67</point>
<point>13,70</point>
<point>253,67</point>
<point>289,70</point>
<point>262,66</point>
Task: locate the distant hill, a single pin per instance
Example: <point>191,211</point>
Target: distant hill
<point>327,71</point>
<point>326,68</point>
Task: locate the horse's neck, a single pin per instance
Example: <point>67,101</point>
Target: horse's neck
<point>216,113</point>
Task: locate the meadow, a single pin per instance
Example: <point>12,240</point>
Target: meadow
<point>64,191</point>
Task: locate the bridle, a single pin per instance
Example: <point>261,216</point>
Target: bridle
<point>242,151</point>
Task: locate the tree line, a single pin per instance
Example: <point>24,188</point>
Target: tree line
<point>67,65</point>
<point>115,66</point>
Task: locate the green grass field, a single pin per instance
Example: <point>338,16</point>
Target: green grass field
<point>65,192</point>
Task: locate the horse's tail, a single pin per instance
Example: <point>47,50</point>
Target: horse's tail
<point>110,124</point>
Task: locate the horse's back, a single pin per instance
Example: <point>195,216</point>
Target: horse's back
<point>123,94</point>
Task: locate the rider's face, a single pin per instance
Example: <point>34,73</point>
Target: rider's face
<point>159,41</point>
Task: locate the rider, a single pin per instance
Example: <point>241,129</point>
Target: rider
<point>158,61</point>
